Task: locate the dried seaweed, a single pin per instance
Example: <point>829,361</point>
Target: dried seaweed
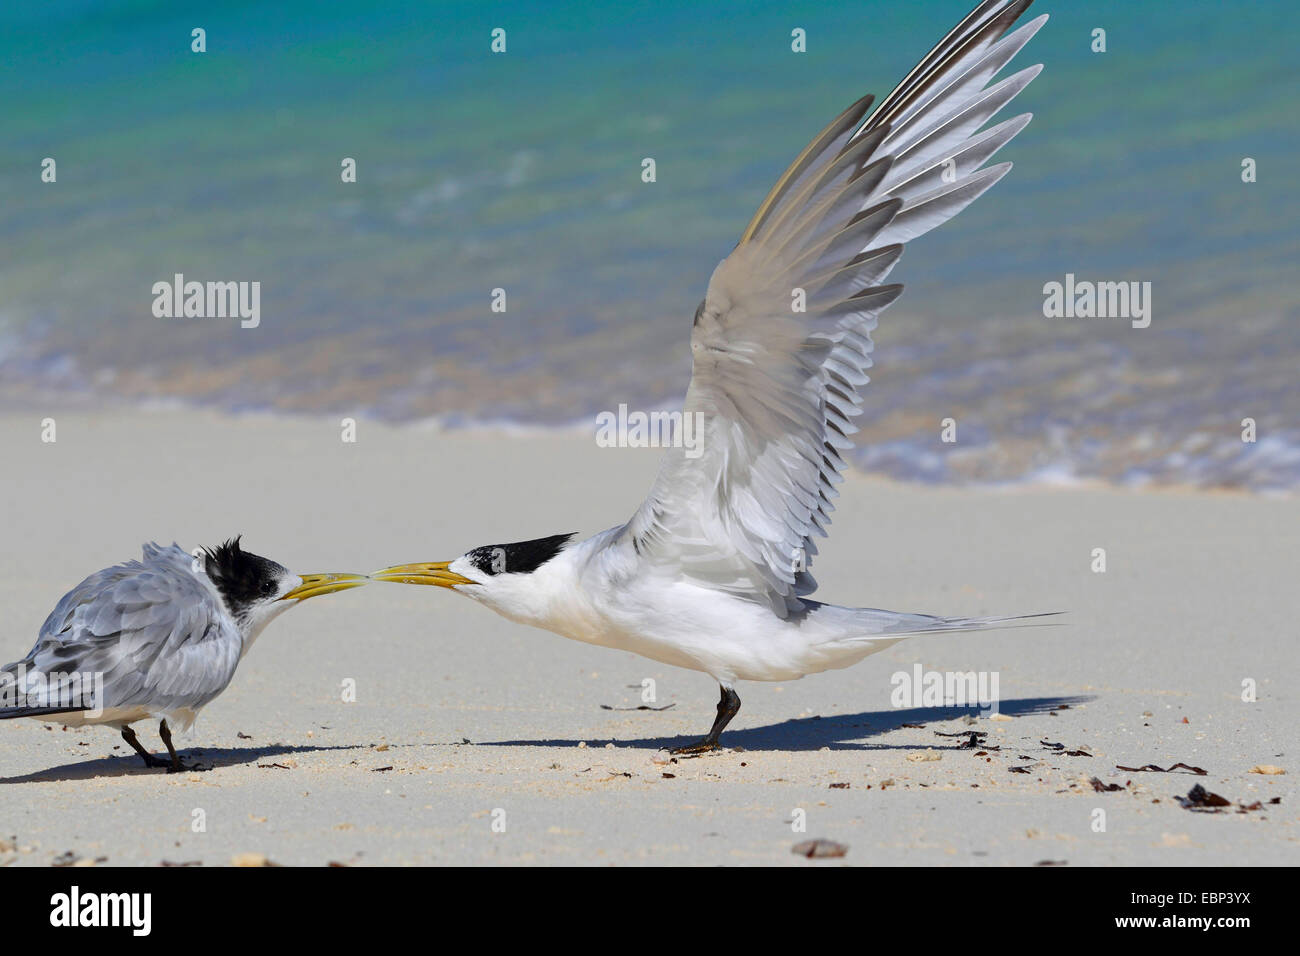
<point>641,707</point>
<point>1152,768</point>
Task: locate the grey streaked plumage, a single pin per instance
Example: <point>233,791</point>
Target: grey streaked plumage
<point>156,629</point>
<point>161,636</point>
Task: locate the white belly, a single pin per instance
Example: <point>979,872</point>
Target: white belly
<point>115,716</point>
<point>180,719</point>
<point>730,638</point>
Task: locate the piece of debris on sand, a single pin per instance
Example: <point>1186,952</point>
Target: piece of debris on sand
<point>1202,800</point>
<point>819,849</point>
<point>1198,798</point>
<point>1152,768</point>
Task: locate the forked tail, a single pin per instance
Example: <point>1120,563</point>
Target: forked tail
<point>924,624</point>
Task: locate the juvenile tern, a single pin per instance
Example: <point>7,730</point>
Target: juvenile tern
<point>711,573</point>
<point>160,637</point>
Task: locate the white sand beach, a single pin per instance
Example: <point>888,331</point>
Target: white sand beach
<point>474,740</point>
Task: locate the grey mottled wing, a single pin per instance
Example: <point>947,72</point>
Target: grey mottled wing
<point>154,629</point>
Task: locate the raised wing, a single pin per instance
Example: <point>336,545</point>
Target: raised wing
<point>782,340</point>
<point>155,631</point>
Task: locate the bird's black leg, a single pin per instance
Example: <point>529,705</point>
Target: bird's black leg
<point>176,765</point>
<point>728,707</point>
<point>149,759</point>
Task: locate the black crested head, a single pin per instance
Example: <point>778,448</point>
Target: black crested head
<point>243,578</point>
<point>522,557</point>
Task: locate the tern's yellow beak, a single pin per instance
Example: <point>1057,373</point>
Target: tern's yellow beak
<point>317,584</point>
<point>434,572</point>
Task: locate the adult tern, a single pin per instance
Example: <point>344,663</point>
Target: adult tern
<point>160,637</point>
<point>711,573</point>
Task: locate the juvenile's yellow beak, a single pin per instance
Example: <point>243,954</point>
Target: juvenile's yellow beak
<point>434,572</point>
<point>317,584</point>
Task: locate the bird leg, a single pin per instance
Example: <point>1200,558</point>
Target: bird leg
<point>176,765</point>
<point>728,707</point>
<point>149,759</point>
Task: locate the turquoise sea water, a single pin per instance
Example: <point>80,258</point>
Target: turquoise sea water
<point>521,171</point>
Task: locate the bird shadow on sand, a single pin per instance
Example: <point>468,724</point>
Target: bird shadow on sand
<point>837,732</point>
<point>208,758</point>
